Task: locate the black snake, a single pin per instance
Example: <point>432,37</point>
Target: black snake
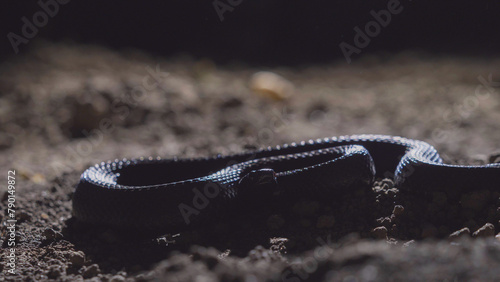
<point>172,194</point>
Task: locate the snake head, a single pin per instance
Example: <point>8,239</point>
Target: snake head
<point>258,184</point>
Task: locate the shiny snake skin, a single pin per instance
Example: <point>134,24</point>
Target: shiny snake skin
<point>175,194</point>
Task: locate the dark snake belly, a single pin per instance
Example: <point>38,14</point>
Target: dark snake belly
<point>175,194</point>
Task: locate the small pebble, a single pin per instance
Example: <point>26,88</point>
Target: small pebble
<point>52,235</point>
<point>232,102</point>
<point>409,243</point>
<point>54,271</point>
<point>38,178</point>
<point>87,115</point>
<point>224,254</point>
<point>380,232</point>
<point>117,278</point>
<point>24,216</point>
<point>388,183</point>
<point>495,158</point>
<point>271,85</point>
<point>91,271</point>
<point>398,210</point>
<point>488,230</point>
<point>77,258</point>
<point>385,221</point>
<point>459,233</point>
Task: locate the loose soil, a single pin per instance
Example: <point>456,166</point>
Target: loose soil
<point>66,107</point>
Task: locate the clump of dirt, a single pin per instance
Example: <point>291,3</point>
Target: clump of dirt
<point>66,107</point>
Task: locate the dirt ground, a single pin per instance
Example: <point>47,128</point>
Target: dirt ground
<point>65,107</point>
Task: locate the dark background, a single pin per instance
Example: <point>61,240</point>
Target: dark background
<point>265,31</point>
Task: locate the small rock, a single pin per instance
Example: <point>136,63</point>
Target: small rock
<point>385,221</point>
<point>394,229</point>
<point>259,253</point>
<point>49,233</point>
<point>91,271</point>
<point>271,85</point>
<point>117,278</point>
<point>325,221</point>
<point>380,232</point>
<point>409,243</point>
<point>44,216</point>
<point>54,271</point>
<point>77,258</point>
<point>459,233</point>
<point>53,189</point>
<point>275,222</point>
<point>278,244</point>
<point>385,187</point>
<point>24,216</point>
<point>209,256</point>
<point>480,159</point>
<point>52,235</point>
<point>393,219</point>
<point>494,158</point>
<point>38,178</point>
<point>86,115</point>
<point>162,241</point>
<point>232,102</point>
<point>488,230</point>
<point>225,254</point>
<point>388,183</point>
<point>398,210</point>
<point>211,262</point>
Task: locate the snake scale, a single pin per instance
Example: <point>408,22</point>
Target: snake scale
<point>173,194</point>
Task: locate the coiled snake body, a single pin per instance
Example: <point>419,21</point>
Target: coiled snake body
<point>172,194</point>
